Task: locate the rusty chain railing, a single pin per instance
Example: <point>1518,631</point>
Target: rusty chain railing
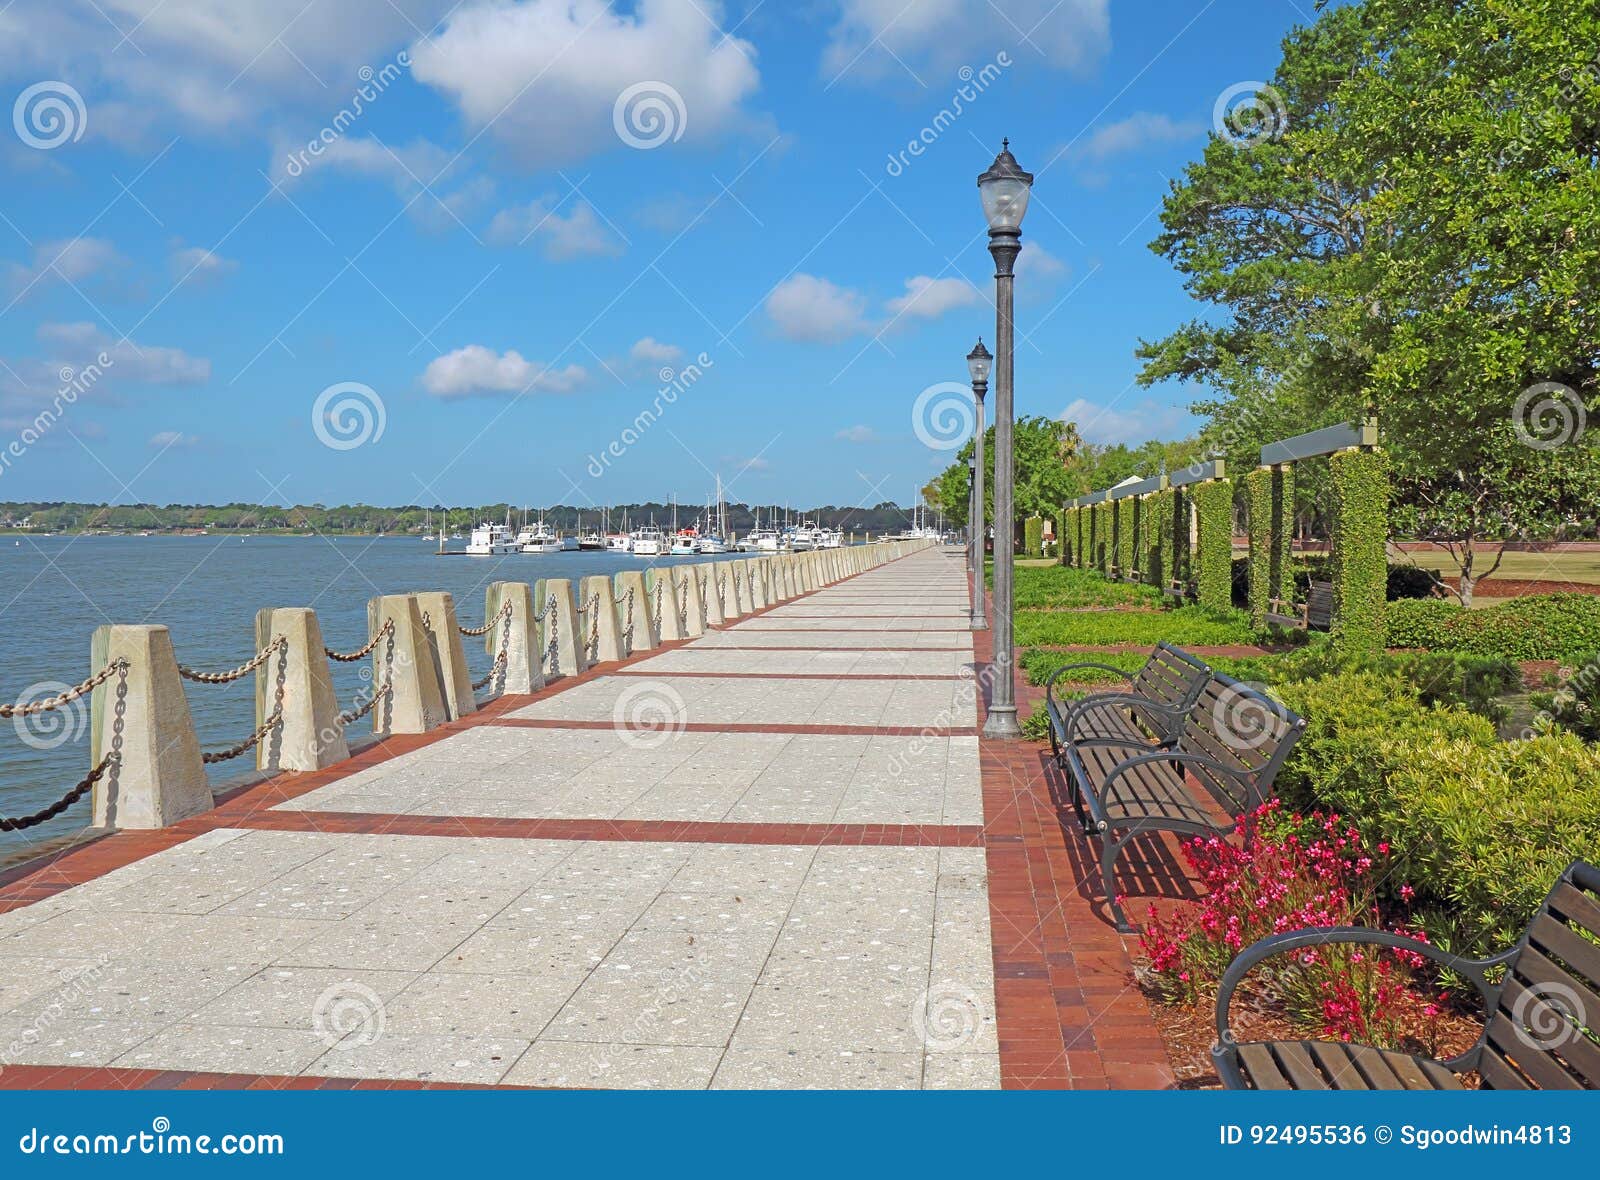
<point>23,822</point>
<point>502,613</point>
<point>65,698</point>
<point>347,657</point>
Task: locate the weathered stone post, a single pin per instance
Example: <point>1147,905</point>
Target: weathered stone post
<point>716,572</point>
<point>449,653</point>
<point>517,635</point>
<point>606,621</point>
<point>754,584</point>
<point>664,592</point>
<point>296,679</point>
<point>139,719</point>
<point>640,634</point>
<point>563,627</point>
<point>403,660</point>
<point>692,601</point>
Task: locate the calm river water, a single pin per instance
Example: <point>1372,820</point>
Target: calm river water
<point>54,591</point>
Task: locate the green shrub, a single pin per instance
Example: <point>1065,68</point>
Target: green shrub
<point>1478,827</point>
<point>1060,586</point>
<point>1574,705</point>
<point>1036,725</point>
<point>1538,627</point>
<point>1185,626</point>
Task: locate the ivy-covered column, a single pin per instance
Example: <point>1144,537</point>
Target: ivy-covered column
<point>1103,557</point>
<point>1162,553</point>
<point>1180,574</point>
<point>1139,550</point>
<point>1126,562</point>
<point>1359,564</point>
<point>1213,502</point>
<point>1280,576</point>
<point>1258,510</point>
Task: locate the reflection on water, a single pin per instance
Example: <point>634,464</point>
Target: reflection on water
<point>54,591</point>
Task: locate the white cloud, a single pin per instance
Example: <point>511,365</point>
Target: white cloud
<point>1037,263</point>
<point>196,264</point>
<point>805,307</point>
<point>207,65</point>
<point>1136,132</point>
<point>543,76</point>
<point>479,370</point>
<point>166,439</point>
<point>929,298</point>
<point>1132,425</point>
<point>650,351</point>
<point>857,434</point>
<point>76,344</point>
<point>879,39</point>
<point>580,234</point>
<point>71,260</point>
<point>756,463</point>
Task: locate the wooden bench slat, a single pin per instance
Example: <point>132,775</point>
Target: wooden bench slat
<point>1496,1074</point>
<point>1559,940</point>
<point>1298,1066</point>
<point>1262,1067</point>
<point>1540,1068</point>
<point>1339,1064</point>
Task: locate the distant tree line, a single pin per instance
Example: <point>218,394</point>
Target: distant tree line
<point>69,516</point>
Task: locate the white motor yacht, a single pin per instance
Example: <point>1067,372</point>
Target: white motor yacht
<point>648,541</point>
<point>491,540</point>
<point>537,538</point>
<point>619,543</point>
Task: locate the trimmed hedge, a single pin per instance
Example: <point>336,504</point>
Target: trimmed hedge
<point>1574,705</point>
<point>1539,627</point>
<point>1127,560</point>
<point>1033,536</point>
<point>1187,625</point>
<point>1053,586</point>
<point>1359,481</point>
<point>1477,827</point>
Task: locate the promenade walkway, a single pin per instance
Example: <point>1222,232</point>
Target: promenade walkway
<point>774,855</point>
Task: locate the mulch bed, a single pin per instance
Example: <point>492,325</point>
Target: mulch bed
<point>1520,587</point>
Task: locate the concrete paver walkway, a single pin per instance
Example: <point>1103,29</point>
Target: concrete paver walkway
<point>755,859</point>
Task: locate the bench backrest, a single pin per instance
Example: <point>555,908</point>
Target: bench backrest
<point>1240,727</point>
<point>1319,606</point>
<point>1544,1032</point>
<point>1171,677</point>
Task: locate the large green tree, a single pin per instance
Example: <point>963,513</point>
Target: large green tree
<point>1044,451</point>
<point>1414,228</point>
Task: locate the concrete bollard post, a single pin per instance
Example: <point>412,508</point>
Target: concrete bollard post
<point>692,601</point>
<point>299,681</point>
<point>140,715</point>
<point>570,657</point>
<point>599,597</point>
<point>754,584</point>
<point>449,652</point>
<point>715,589</point>
<point>404,661</point>
<point>517,635</point>
<point>785,578</point>
<point>664,600</point>
<point>735,594</point>
<point>640,634</point>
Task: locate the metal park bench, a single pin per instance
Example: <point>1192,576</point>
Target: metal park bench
<point>1231,745</point>
<point>1315,614</point>
<point>1156,698</point>
<point>1542,1030</point>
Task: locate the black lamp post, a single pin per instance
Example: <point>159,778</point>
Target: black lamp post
<point>978,361</point>
<point>1004,189</point>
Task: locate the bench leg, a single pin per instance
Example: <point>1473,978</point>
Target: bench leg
<point>1110,850</point>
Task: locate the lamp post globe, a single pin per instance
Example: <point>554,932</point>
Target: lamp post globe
<point>979,361</point>
<point>1004,189</point>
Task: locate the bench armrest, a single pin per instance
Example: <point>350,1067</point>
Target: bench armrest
<point>1050,684</point>
<point>1314,936</point>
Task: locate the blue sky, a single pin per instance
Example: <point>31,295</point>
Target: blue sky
<point>502,256</point>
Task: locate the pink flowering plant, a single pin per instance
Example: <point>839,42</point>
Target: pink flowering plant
<point>1286,871</point>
